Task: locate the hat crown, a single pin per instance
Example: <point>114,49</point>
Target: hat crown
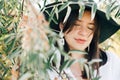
<point>60,11</point>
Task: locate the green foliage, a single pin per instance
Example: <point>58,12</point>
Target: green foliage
<point>9,18</point>
<point>35,61</point>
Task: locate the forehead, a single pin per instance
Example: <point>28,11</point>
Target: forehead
<point>86,17</point>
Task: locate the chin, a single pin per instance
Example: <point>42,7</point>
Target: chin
<point>80,47</point>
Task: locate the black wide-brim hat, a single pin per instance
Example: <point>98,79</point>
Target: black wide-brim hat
<point>53,14</point>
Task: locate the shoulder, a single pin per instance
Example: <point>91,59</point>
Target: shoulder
<point>108,57</point>
<point>113,57</point>
<point>114,61</point>
<point>110,70</point>
<point>110,60</point>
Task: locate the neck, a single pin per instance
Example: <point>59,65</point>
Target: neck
<point>77,56</point>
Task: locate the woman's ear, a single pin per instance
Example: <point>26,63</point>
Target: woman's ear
<point>61,26</point>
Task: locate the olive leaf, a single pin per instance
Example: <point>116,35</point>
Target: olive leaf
<point>81,10</point>
<point>66,64</point>
<point>64,5</point>
<point>87,70</point>
<point>56,12</point>
<point>67,14</point>
<point>93,12</point>
<point>118,13</point>
<point>108,11</point>
<point>113,6</point>
<point>94,61</point>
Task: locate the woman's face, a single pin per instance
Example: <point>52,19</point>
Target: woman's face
<point>80,37</point>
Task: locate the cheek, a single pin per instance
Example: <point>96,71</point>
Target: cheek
<point>90,38</point>
<point>70,33</point>
<point>69,36</point>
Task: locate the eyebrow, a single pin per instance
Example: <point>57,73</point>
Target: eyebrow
<point>88,23</point>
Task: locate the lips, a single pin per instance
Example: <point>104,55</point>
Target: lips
<point>80,41</point>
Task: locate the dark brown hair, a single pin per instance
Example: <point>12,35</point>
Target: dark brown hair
<point>93,52</point>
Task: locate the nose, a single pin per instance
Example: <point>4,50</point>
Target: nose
<point>83,31</point>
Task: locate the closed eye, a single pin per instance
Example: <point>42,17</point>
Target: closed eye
<point>91,27</point>
<point>77,24</point>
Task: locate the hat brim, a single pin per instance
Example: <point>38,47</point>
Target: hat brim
<point>107,27</point>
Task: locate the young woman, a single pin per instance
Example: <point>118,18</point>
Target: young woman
<point>85,34</point>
